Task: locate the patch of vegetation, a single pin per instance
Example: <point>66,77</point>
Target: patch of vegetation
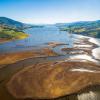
<point>85,28</point>
<point>11,33</point>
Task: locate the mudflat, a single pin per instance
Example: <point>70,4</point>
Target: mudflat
<point>44,74</point>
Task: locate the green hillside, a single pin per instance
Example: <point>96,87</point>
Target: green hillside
<point>88,28</point>
<point>10,29</point>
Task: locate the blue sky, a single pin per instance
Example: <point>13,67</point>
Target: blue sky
<point>50,11</point>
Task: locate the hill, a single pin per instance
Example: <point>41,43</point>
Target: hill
<point>4,21</point>
<point>10,29</point>
<point>88,28</point>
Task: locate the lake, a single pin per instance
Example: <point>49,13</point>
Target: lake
<point>38,37</point>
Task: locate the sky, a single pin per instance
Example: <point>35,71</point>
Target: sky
<point>50,11</point>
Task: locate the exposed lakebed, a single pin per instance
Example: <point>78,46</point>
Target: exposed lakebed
<point>51,47</point>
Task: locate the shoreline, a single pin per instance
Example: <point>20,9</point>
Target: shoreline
<point>25,35</point>
<point>9,40</point>
<point>96,51</point>
<point>5,40</point>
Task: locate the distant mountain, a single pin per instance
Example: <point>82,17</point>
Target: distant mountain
<point>4,21</point>
<point>89,28</point>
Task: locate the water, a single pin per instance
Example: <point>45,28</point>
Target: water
<point>38,37</point>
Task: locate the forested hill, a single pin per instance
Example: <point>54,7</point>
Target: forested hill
<point>7,22</point>
<point>89,28</point>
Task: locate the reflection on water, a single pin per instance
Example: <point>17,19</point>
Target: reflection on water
<point>37,38</point>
